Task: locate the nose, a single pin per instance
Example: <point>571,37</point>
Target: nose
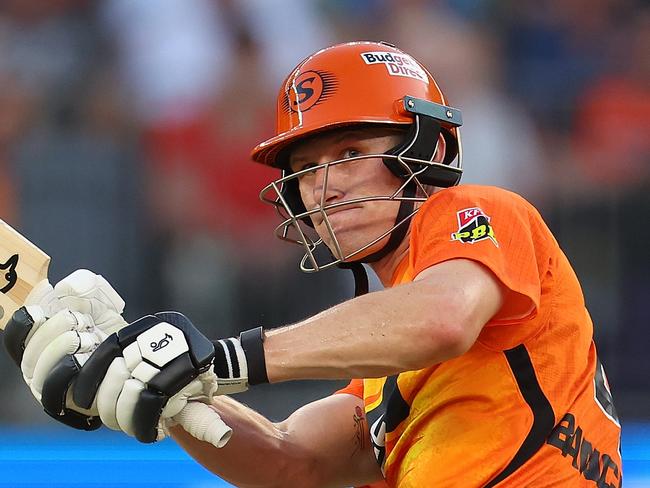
<point>329,183</point>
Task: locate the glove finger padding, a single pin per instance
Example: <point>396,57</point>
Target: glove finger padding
<point>43,349</point>
<point>163,353</point>
<point>89,293</point>
<point>57,369</point>
<point>109,391</point>
<point>40,303</point>
<point>58,343</point>
<point>155,406</point>
<point>146,414</point>
<point>44,296</point>
<point>20,326</point>
<point>94,371</point>
<point>126,404</point>
<point>54,373</point>
<point>56,397</point>
<point>46,332</point>
<point>62,346</point>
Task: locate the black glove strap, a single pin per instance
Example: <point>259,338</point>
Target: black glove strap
<point>252,342</point>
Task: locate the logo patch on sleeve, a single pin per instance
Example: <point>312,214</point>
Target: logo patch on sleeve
<point>473,226</point>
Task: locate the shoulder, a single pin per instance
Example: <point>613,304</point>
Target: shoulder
<point>463,198</point>
<point>476,193</point>
<point>471,213</point>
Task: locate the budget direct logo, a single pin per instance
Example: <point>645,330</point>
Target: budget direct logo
<point>308,89</point>
<point>473,226</point>
<point>397,64</point>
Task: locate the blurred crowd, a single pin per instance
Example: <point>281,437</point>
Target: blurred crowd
<point>126,127</point>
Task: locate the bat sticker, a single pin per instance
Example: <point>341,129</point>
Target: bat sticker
<point>10,275</point>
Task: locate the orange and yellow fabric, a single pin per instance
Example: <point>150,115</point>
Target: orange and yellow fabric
<point>529,403</point>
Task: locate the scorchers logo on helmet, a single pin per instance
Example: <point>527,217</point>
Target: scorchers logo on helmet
<point>397,64</point>
<point>308,89</point>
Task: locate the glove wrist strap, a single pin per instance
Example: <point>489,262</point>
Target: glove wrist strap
<point>252,342</point>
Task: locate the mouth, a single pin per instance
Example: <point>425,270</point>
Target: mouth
<point>333,213</point>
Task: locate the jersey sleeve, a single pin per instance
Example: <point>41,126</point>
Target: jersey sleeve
<point>355,387</point>
<point>493,227</point>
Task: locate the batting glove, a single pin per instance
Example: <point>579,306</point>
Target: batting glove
<point>146,373</point>
<point>49,342</point>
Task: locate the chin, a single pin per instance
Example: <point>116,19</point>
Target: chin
<point>349,247</point>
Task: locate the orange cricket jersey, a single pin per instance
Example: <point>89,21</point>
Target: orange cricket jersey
<point>529,403</point>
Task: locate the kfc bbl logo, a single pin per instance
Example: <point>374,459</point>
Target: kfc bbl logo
<point>473,226</point>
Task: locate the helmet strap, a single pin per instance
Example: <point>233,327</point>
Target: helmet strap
<point>360,277</point>
<point>402,223</point>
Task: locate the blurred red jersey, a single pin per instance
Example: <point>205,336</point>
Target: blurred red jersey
<point>529,403</point>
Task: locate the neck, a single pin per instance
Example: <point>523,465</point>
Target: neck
<point>386,266</point>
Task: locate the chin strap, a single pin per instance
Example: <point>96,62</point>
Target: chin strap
<point>402,223</point>
<point>360,277</point>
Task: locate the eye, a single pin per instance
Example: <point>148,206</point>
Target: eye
<point>305,167</point>
<point>351,153</point>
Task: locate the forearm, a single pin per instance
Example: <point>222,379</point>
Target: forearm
<point>259,454</point>
<point>408,327</point>
<point>368,336</point>
<point>323,444</point>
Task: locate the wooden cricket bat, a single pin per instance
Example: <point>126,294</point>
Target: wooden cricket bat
<point>22,266</point>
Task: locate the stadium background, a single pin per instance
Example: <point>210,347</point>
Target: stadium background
<point>125,128</point>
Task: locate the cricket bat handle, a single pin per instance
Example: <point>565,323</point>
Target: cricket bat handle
<point>204,423</point>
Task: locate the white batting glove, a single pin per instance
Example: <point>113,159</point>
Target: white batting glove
<point>143,377</point>
<point>50,341</point>
<point>117,399</point>
<point>147,372</point>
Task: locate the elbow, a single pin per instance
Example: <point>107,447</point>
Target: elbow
<point>302,471</point>
<point>460,339</point>
<point>296,466</point>
<point>446,341</point>
<point>304,474</point>
<point>446,337</point>
<point>300,474</point>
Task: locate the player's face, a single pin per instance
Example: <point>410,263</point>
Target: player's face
<point>354,224</point>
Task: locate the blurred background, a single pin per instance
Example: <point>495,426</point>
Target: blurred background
<point>126,127</point>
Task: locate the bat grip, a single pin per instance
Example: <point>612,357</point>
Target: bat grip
<point>204,423</point>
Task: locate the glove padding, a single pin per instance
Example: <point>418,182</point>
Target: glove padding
<point>50,343</point>
<point>146,373</point>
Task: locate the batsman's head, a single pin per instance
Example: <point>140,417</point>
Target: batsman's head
<point>363,133</point>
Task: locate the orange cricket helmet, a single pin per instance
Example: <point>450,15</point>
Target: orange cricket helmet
<point>356,83</point>
<point>360,83</point>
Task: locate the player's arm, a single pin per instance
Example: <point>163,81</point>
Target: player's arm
<point>325,443</point>
<point>435,318</point>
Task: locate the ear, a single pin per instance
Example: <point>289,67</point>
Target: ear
<point>441,150</point>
